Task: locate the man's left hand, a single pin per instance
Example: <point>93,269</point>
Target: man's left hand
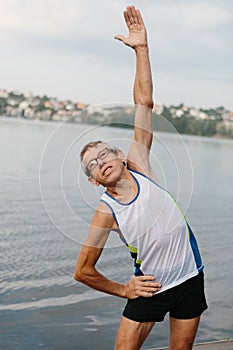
<point>137,30</point>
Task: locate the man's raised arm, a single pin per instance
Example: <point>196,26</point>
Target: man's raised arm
<point>143,87</point>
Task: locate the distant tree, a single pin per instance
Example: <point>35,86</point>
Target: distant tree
<point>3,105</point>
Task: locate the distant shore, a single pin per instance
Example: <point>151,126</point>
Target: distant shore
<point>115,125</point>
<point>182,118</point>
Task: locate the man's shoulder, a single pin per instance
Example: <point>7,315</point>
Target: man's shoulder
<point>103,207</point>
<point>146,171</point>
<point>103,217</point>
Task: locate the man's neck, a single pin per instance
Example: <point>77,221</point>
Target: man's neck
<point>125,189</point>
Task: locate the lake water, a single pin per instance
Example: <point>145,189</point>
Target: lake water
<point>46,205</point>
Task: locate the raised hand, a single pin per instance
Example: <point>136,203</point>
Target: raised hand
<point>137,30</point>
<point>144,286</point>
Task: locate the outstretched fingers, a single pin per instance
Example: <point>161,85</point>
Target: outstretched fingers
<point>132,17</point>
<point>137,31</point>
<point>127,18</point>
<point>131,14</point>
<point>139,17</point>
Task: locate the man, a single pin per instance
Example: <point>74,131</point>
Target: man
<point>168,269</point>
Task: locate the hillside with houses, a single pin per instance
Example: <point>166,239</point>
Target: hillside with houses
<point>184,119</point>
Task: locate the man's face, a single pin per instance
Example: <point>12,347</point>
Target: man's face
<point>104,164</point>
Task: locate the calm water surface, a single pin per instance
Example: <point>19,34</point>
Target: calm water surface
<point>46,205</point>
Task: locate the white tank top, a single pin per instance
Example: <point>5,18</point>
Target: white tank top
<point>157,234</point>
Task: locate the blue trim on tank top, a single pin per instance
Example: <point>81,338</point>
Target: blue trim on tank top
<point>114,215</point>
<point>195,249</point>
<point>148,178</point>
<point>133,200</point>
<point>156,184</point>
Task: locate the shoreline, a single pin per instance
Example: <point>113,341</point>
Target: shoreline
<point>58,123</point>
<point>215,345</point>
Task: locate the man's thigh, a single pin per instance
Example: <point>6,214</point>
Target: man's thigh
<point>131,334</point>
<point>182,333</point>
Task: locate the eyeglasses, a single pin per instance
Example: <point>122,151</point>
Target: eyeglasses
<point>101,155</point>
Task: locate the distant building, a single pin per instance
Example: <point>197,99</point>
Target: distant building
<point>4,93</point>
<point>158,108</point>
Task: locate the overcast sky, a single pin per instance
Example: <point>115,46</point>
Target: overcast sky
<point>65,49</point>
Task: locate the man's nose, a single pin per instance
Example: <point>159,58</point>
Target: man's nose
<point>101,163</point>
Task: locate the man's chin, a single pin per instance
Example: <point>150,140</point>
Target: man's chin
<point>110,180</point>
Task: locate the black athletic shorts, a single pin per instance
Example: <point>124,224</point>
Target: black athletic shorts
<point>185,301</point>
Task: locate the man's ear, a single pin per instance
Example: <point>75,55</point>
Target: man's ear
<point>121,155</point>
<point>93,181</point>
